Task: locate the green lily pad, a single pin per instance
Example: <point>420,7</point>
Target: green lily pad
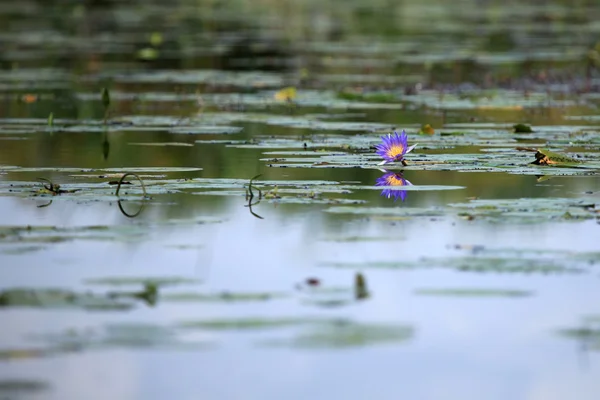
<point>345,239</point>
<point>59,298</point>
<point>136,280</point>
<point>119,335</point>
<point>110,170</point>
<point>248,323</point>
<point>18,387</point>
<point>205,130</point>
<point>388,211</point>
<point>343,334</point>
<point>163,144</point>
<point>480,264</point>
<point>472,292</point>
<point>223,297</point>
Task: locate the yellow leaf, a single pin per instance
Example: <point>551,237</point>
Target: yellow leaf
<point>147,53</point>
<point>29,98</point>
<point>156,39</point>
<point>286,94</point>
<point>426,130</point>
<point>507,108</point>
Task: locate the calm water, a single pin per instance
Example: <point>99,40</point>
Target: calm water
<point>185,72</point>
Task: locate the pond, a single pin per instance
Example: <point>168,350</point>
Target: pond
<point>192,199</point>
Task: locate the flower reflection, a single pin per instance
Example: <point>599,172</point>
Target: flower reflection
<point>393,179</point>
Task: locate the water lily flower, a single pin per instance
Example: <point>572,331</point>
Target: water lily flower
<point>394,147</point>
<point>393,179</point>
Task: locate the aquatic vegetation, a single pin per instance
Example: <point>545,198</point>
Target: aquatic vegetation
<point>472,292</point>
<point>587,333</point>
<point>342,334</point>
<point>426,129</point>
<point>360,287</point>
<point>137,280</point>
<point>59,298</point>
<point>11,388</point>
<point>508,263</point>
<point>223,297</point>
<point>394,148</point>
<point>287,94</point>
<point>522,128</point>
<point>209,113</point>
<point>248,323</point>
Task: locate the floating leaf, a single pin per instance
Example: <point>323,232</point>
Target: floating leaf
<point>546,157</point>
<point>473,292</point>
<point>247,323</point>
<point>522,128</point>
<point>224,297</point>
<point>58,298</point>
<point>286,94</point>
<point>136,280</point>
<point>342,334</point>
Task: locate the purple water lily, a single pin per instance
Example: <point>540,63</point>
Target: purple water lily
<point>394,147</point>
<point>393,179</point>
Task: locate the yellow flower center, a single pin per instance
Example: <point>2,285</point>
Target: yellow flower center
<point>395,150</point>
<point>393,180</point>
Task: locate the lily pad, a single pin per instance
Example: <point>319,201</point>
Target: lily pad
<point>472,292</point>
<point>223,297</point>
<point>343,334</point>
<point>163,144</point>
<point>119,335</point>
<point>136,280</point>
<point>480,264</point>
<point>59,298</point>
<point>388,211</point>
<point>205,130</point>
<point>19,387</point>
<point>248,323</point>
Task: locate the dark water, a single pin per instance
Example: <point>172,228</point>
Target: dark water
<point>462,305</point>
